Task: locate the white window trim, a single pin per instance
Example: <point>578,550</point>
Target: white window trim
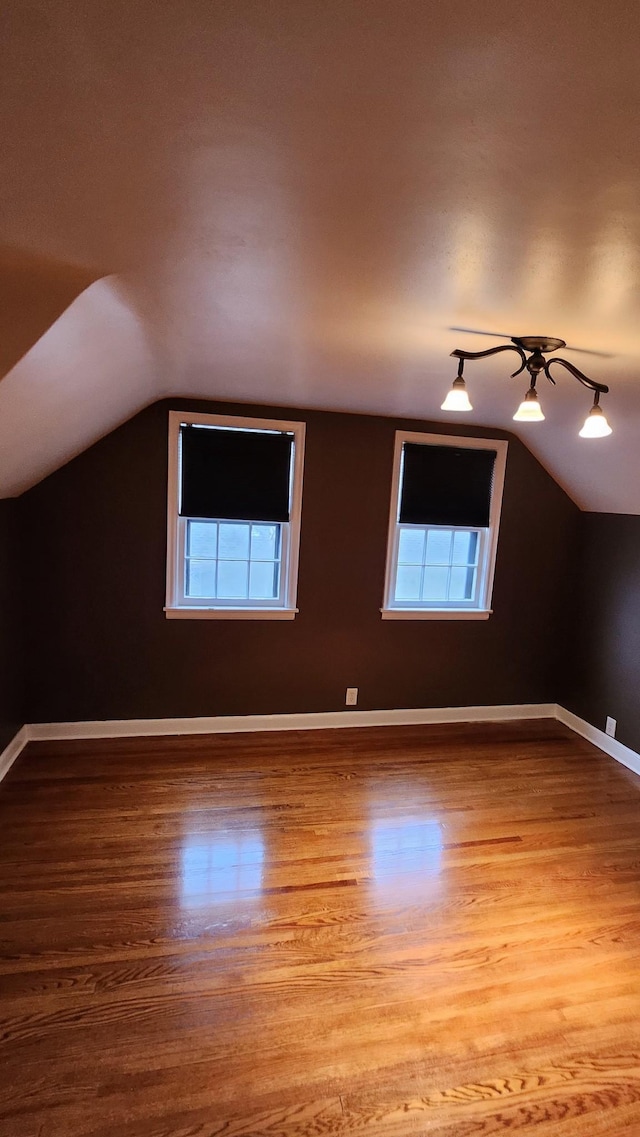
<point>174,610</point>
<point>483,610</point>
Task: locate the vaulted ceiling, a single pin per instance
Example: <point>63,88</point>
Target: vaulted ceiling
<point>294,201</point>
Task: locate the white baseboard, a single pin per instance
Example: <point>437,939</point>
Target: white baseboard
<point>231,724</point>
<point>11,752</point>
<point>611,746</point>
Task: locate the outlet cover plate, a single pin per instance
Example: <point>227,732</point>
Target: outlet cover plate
<point>610,728</point>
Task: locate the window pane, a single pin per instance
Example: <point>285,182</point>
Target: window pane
<point>465,547</point>
<point>408,582</point>
<point>264,542</point>
<point>201,578</point>
<point>435,583</point>
<point>263,580</point>
<point>203,536</point>
<point>233,578</point>
<point>411,547</point>
<point>438,546</point>
<point>234,542</point>
<point>461,585</point>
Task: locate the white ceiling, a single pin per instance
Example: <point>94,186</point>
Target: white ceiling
<point>293,202</point>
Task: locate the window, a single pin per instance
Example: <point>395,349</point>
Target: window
<point>443,526</point>
<point>234,502</point>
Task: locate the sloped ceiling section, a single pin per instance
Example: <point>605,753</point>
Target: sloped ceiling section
<point>294,202</point>
<point>34,291</point>
<point>68,390</point>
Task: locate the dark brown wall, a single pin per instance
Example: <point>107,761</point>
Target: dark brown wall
<point>605,678</point>
<point>11,646</point>
<point>101,647</point>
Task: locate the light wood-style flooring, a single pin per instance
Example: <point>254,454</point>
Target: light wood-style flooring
<point>385,932</point>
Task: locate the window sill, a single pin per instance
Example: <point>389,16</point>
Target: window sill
<point>436,613</point>
<point>230,613</point>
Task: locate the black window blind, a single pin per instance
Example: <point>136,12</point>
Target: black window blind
<point>239,475</point>
<point>446,485</point>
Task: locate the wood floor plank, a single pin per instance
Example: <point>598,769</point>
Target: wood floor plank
<point>394,931</point>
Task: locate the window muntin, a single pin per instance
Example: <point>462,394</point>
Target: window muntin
<point>233,561</point>
<point>441,569</point>
<point>226,565</point>
<point>437,565</point>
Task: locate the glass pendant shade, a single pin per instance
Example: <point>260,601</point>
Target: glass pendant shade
<point>457,399</point>
<point>595,424</point>
<point>529,409</point>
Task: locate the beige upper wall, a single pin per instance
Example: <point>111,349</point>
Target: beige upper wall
<point>296,200</point>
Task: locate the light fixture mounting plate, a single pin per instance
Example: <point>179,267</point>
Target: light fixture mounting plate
<point>538,343</point>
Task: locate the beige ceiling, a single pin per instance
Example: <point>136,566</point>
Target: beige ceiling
<point>294,201</point>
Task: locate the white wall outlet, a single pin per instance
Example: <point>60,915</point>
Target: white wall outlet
<point>352,697</point>
<point>610,728</point>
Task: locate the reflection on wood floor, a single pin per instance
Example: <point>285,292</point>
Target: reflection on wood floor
<point>394,931</point>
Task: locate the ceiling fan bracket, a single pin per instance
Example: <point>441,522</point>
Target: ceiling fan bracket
<point>538,343</point>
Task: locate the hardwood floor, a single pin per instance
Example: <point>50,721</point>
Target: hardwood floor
<point>423,930</point>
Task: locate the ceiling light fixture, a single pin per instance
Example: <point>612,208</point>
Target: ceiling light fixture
<point>529,409</point>
<point>595,426</point>
<point>458,398</point>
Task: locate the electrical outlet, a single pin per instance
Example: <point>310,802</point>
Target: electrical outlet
<point>352,697</point>
<point>610,728</point>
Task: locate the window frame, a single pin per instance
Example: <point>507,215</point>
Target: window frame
<point>445,610</point>
<point>178,606</point>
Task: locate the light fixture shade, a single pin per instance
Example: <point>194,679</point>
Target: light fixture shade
<point>529,409</point>
<point>595,424</point>
<point>457,399</point>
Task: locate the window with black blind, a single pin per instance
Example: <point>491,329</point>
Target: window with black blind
<point>443,527</point>
<point>234,516</point>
